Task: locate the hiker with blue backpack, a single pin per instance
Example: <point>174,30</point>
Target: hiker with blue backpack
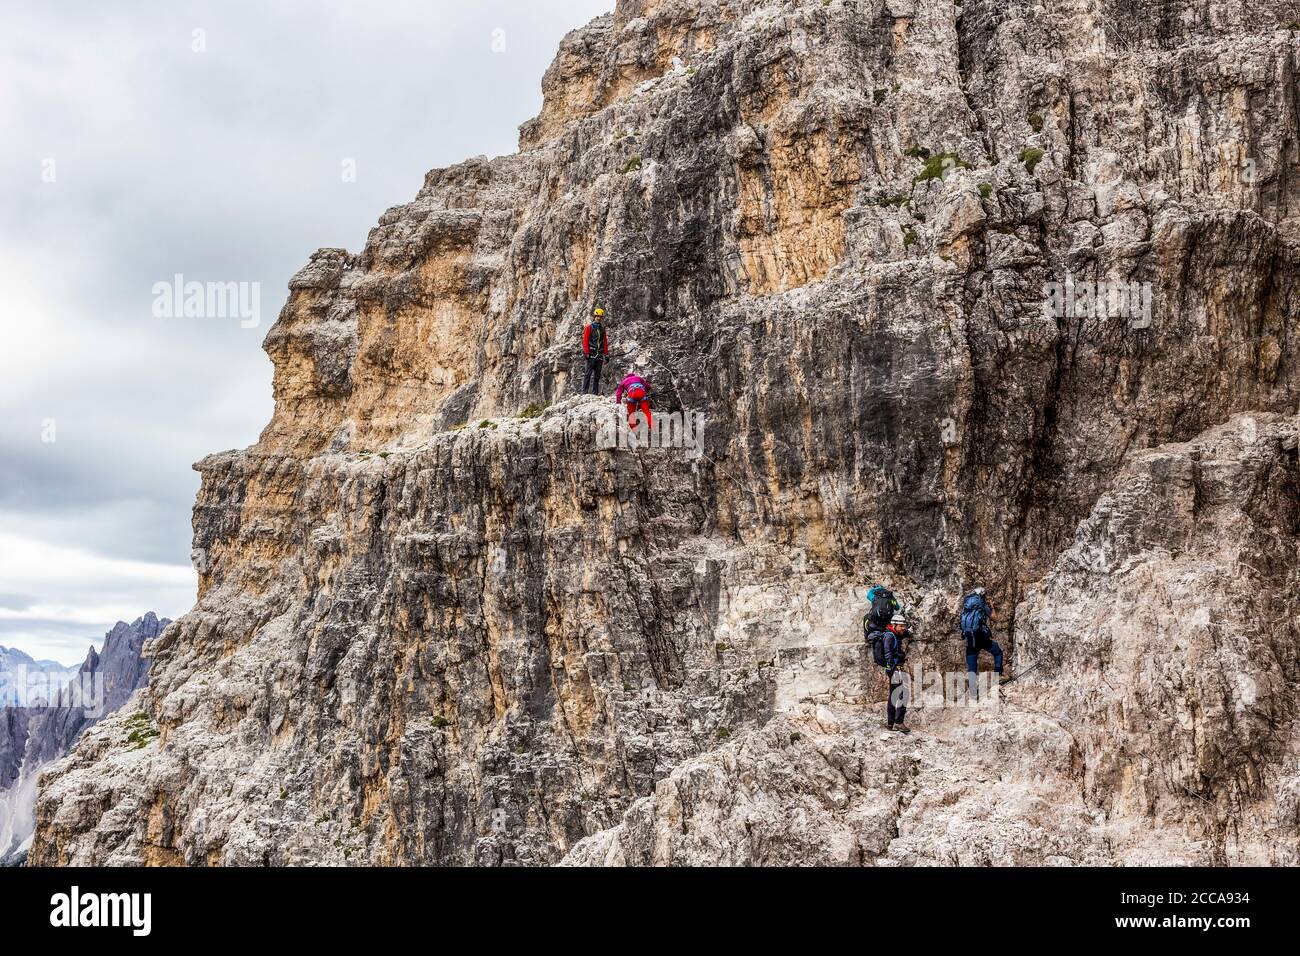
<point>977,631</point>
<point>885,628</point>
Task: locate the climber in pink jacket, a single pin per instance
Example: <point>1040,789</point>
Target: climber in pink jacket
<point>634,391</point>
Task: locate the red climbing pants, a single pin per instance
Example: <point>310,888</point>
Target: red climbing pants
<point>642,406</point>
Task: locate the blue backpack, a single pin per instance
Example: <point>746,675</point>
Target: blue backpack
<point>883,605</point>
<point>974,615</point>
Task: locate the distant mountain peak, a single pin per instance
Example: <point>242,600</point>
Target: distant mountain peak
<point>36,734</point>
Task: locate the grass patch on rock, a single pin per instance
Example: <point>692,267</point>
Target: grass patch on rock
<point>939,164</point>
<point>140,730</point>
<point>1031,156</point>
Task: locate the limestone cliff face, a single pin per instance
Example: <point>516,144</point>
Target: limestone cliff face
<point>1154,723</point>
<point>432,629</point>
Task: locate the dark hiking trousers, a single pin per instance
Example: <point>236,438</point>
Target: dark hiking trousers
<point>591,379</point>
<point>896,707</point>
<point>980,642</point>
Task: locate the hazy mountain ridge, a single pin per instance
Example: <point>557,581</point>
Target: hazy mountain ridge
<point>14,662</point>
<point>33,736</point>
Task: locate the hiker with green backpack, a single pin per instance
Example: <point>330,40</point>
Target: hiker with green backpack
<point>885,628</point>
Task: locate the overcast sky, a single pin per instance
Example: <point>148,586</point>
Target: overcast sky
<point>133,148</point>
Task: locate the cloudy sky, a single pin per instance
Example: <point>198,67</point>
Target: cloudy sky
<point>141,140</point>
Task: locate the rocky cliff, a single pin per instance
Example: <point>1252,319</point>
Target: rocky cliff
<point>990,292</point>
<point>45,728</point>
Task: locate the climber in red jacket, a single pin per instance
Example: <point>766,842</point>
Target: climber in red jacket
<point>595,346</point>
<point>634,391</point>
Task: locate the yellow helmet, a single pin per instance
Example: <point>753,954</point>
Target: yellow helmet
<point>598,312</point>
